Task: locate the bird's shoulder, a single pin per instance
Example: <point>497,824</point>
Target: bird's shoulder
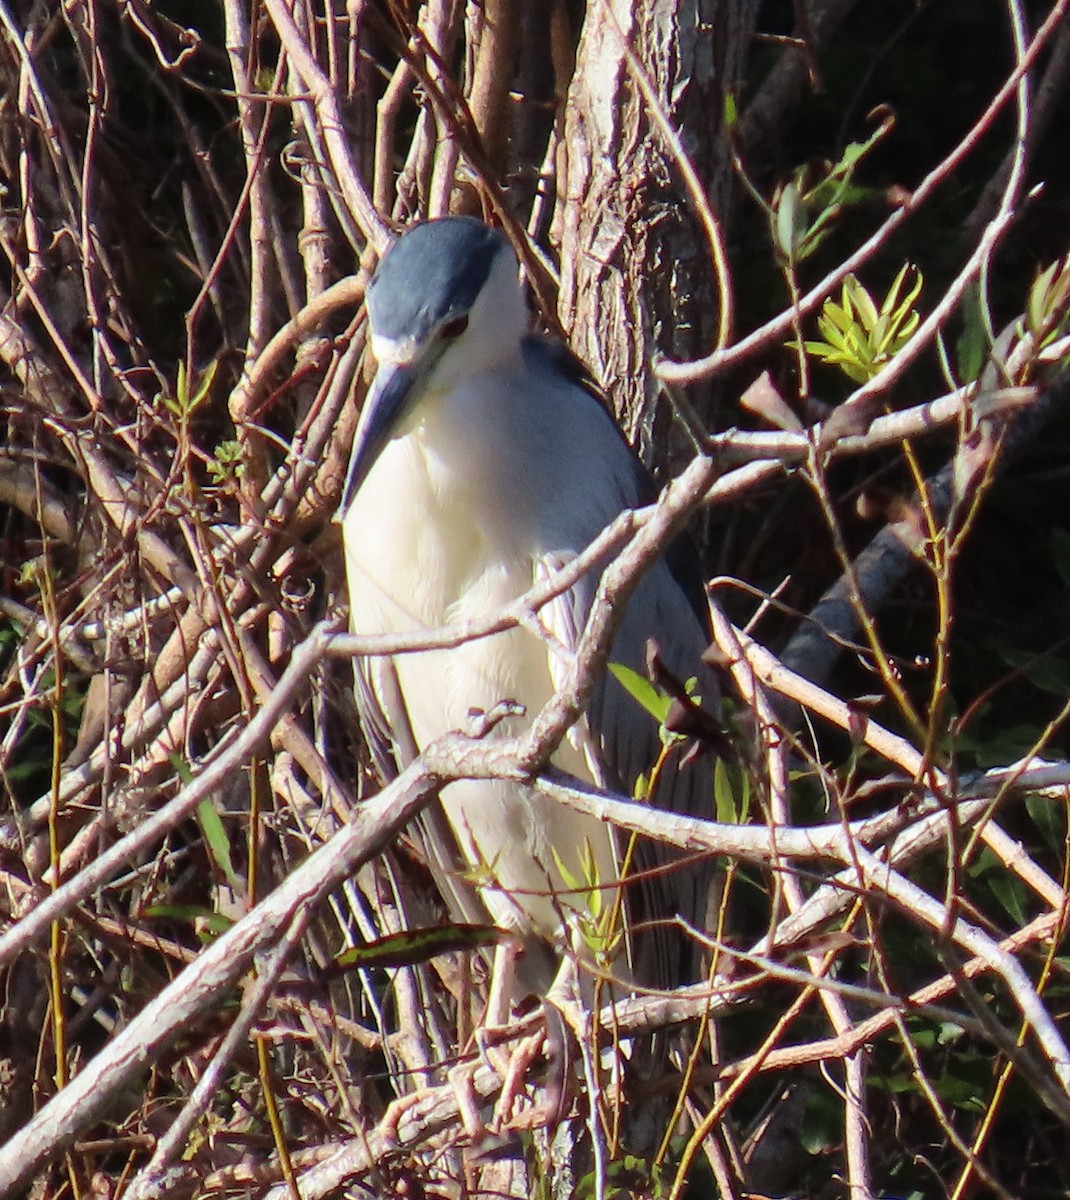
<point>584,406</point>
<point>543,355</point>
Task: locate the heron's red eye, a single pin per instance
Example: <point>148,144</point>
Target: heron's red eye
<point>454,329</point>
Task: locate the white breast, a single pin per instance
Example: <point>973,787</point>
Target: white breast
<point>444,557</point>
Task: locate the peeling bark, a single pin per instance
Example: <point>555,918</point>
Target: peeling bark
<point>635,268</point>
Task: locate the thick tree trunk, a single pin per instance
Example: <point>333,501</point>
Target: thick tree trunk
<point>636,274</point>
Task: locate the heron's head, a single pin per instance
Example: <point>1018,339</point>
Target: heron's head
<point>444,305</point>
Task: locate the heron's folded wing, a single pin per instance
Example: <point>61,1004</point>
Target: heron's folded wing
<point>623,741</point>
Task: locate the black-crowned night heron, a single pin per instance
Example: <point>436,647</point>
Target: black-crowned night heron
<point>483,461</point>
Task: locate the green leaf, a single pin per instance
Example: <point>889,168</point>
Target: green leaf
<point>1009,892</point>
<point>414,946</point>
<point>196,914</point>
<point>971,348</point>
<point>787,218</point>
<point>743,811</point>
<point>820,1126</point>
<point>959,1091</point>
<point>1042,670</point>
<point>642,690</point>
<point>1036,308</point>
<point>861,301</point>
<point>1049,817</point>
<point>217,842</point>
<point>1050,675</point>
<point>950,1033</point>
<point>204,385</point>
<point>723,796</point>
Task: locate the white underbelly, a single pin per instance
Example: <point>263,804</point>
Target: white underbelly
<point>534,859</point>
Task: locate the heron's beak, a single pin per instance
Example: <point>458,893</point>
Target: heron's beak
<point>385,402</point>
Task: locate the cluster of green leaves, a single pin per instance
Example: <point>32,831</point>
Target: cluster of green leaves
<point>191,392</point>
<point>227,465</point>
<point>860,337</point>
<point>627,1178</point>
<point>1047,312</point>
<point>804,210</point>
<point>596,905</point>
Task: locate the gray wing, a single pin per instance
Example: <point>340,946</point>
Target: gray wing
<point>628,743</point>
<point>669,606</point>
